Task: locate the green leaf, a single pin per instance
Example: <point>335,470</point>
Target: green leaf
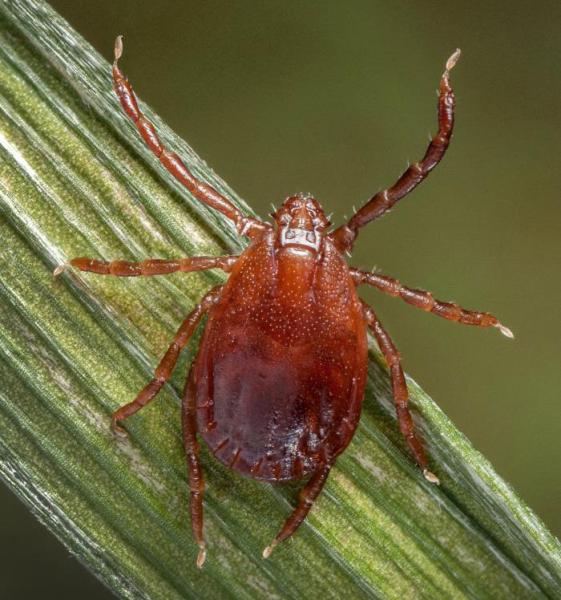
<point>75,180</point>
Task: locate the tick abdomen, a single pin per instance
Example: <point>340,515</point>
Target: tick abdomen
<point>280,373</point>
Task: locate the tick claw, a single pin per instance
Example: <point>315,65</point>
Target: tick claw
<point>117,429</point>
<point>201,557</point>
<point>60,269</point>
<point>505,331</point>
<point>431,477</point>
<point>451,62</point>
<point>118,47</point>
<point>269,549</point>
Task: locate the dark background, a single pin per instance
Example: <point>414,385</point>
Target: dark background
<point>334,98</point>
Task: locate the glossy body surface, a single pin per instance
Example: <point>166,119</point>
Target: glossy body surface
<point>277,385</point>
<point>281,368</point>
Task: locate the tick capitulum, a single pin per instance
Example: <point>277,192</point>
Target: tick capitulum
<point>278,382</point>
<point>301,224</point>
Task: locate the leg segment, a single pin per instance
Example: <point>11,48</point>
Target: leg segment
<point>152,266</point>
<point>400,393</point>
<point>170,160</point>
<point>168,362</point>
<point>383,201</point>
<point>196,479</point>
<point>307,498</point>
<point>425,301</point>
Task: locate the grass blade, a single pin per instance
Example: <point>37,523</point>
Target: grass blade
<point>75,179</point>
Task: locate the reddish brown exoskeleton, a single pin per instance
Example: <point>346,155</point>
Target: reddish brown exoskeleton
<point>278,382</point>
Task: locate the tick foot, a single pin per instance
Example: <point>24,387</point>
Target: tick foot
<point>60,269</point>
<point>269,549</point>
<point>505,331</point>
<point>451,62</point>
<point>117,429</point>
<point>201,557</point>
<point>431,477</point>
<point>118,51</point>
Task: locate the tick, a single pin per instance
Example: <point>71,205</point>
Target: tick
<point>277,385</point>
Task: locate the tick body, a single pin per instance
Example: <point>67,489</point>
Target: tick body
<point>277,385</point>
<point>281,369</point>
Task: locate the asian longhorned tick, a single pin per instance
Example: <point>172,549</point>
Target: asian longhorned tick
<point>278,382</point>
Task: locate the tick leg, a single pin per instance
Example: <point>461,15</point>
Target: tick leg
<point>307,498</point>
<point>400,393</point>
<point>152,266</point>
<point>168,362</point>
<point>383,201</point>
<point>425,301</point>
<point>196,479</point>
<point>247,226</point>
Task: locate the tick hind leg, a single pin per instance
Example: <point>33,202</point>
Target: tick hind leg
<point>168,362</point>
<point>308,496</point>
<point>196,479</point>
<point>400,393</point>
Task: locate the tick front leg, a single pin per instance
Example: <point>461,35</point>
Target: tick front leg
<point>307,497</point>
<point>168,362</point>
<point>205,193</point>
<point>400,393</point>
<point>425,301</point>
<point>152,266</point>
<point>196,479</point>
<point>345,236</point>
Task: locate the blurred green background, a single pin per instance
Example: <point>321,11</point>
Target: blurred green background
<point>334,98</point>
